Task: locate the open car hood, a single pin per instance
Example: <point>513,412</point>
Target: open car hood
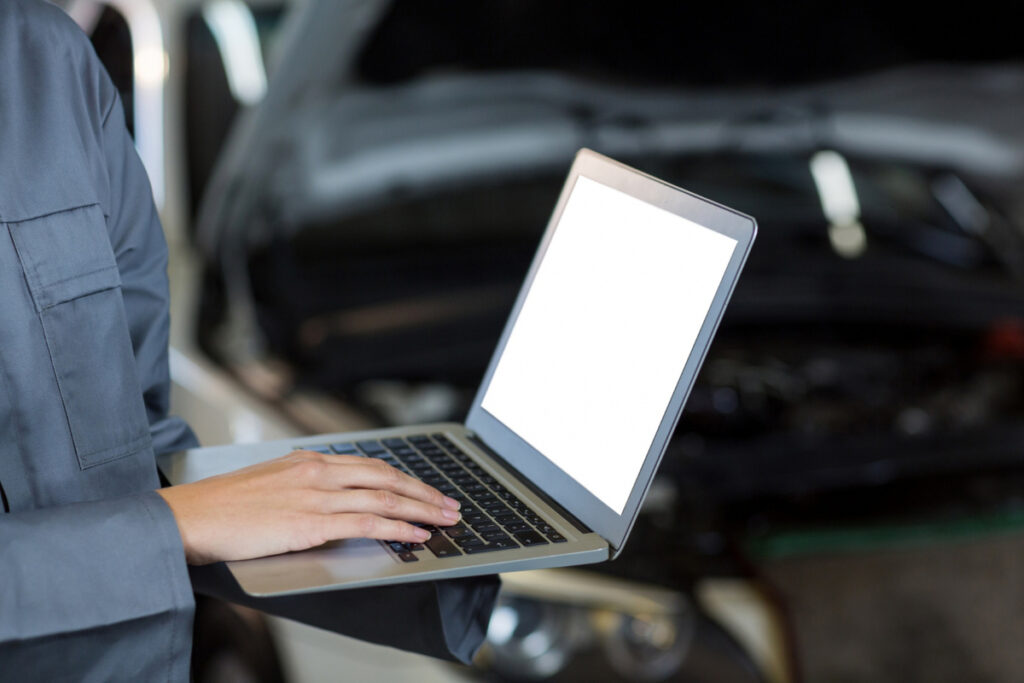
<point>323,144</point>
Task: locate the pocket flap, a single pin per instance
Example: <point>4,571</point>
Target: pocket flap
<point>66,255</point>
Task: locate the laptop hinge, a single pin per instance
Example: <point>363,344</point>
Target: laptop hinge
<point>568,516</point>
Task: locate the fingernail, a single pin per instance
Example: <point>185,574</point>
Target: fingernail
<point>452,503</point>
<point>450,514</point>
<point>422,534</point>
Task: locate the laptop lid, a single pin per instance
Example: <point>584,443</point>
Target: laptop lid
<point>607,336</point>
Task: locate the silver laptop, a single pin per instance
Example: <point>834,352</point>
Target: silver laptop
<point>577,406</point>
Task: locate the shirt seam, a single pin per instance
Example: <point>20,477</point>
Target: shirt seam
<point>46,214</point>
<point>103,288</point>
<point>110,109</point>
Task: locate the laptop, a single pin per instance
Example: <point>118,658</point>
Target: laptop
<point>576,408</point>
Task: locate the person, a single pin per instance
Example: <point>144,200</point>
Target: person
<point>94,556</point>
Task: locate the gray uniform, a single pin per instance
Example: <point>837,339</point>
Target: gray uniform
<point>93,582</point>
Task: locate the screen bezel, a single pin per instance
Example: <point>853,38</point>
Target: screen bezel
<point>532,464</point>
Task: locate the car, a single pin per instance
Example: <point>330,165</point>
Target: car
<point>368,222</point>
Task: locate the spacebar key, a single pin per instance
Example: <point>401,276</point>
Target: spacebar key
<point>441,546</point>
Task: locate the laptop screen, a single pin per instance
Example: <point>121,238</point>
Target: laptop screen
<point>604,333</point>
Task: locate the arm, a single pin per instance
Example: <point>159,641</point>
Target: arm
<point>141,252</point>
<point>296,502</point>
<point>93,583</point>
<point>93,591</point>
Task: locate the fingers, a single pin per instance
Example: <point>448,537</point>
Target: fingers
<point>343,472</point>
<point>385,478</point>
<point>330,457</point>
<point>386,504</point>
<point>364,525</point>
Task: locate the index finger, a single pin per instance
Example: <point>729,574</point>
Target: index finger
<point>384,477</point>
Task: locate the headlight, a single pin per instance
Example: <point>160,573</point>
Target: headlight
<point>583,625</point>
<point>648,647</point>
<point>529,639</point>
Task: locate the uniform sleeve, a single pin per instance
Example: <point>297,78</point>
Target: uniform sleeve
<point>94,592</point>
<point>99,590</point>
<point>443,619</point>
<point>141,252</point>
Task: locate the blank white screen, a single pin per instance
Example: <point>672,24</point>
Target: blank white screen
<point>603,335</point>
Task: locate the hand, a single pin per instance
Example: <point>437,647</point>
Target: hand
<point>299,501</point>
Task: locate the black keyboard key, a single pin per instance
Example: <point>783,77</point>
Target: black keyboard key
<point>495,507</point>
<point>505,516</point>
<point>408,557</point>
<point>397,546</point>
<point>414,546</point>
<point>503,543</point>
<point>345,448</point>
<point>476,518</point>
<point>530,538</point>
<point>486,527</point>
<point>555,537</point>
<point>395,443</point>
<point>370,447</point>
<point>458,531</point>
<point>494,536</point>
<point>517,527</point>
<point>467,543</point>
<point>441,546</point>
<point>319,449</point>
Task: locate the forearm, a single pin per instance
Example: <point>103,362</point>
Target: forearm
<point>443,619</point>
<point>71,576</point>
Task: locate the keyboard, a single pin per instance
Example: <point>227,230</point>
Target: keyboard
<point>493,518</point>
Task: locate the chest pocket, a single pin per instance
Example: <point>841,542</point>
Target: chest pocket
<point>76,287</point>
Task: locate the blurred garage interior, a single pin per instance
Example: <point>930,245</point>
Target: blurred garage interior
<point>352,191</point>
